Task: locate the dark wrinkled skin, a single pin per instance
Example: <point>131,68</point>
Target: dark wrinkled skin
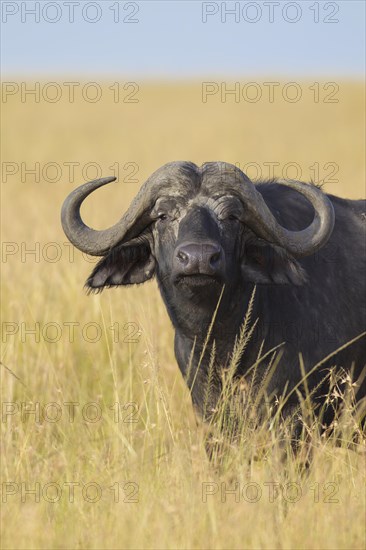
<point>314,304</point>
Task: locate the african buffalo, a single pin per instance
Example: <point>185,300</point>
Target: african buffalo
<point>210,235</point>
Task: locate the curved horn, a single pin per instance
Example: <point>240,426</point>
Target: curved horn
<point>298,243</point>
<point>80,235</point>
<point>309,240</point>
<point>259,217</point>
<point>136,218</point>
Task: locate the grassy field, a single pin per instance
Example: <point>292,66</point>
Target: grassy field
<point>100,446</point>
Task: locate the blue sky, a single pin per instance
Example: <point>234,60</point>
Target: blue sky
<point>183,39</point>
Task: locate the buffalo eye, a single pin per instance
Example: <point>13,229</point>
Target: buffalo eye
<point>162,216</point>
<point>229,218</point>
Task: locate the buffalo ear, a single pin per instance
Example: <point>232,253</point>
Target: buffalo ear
<point>265,263</point>
<point>123,266</point>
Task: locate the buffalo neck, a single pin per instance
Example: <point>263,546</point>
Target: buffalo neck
<point>192,318</point>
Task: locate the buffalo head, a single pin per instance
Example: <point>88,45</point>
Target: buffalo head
<point>198,229</point>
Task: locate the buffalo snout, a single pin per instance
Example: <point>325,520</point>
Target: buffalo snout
<point>194,258</point>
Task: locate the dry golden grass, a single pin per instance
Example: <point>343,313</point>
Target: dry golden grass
<point>162,454</point>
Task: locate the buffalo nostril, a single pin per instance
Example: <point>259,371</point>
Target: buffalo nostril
<point>214,258</point>
<point>182,256</point>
